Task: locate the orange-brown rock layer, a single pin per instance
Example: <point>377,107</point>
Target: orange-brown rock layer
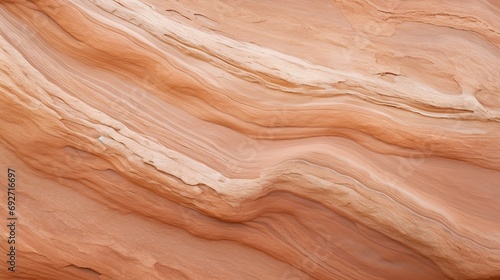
<point>252,139</point>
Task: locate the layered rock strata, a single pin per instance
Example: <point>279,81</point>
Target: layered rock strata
<point>251,140</point>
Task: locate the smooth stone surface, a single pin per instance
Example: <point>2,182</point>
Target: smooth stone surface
<point>252,140</point>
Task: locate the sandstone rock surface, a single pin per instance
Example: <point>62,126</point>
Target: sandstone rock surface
<point>322,139</point>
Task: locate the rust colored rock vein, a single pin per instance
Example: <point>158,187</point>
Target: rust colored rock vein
<point>252,140</point>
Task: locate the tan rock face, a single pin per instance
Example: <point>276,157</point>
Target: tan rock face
<point>251,139</point>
